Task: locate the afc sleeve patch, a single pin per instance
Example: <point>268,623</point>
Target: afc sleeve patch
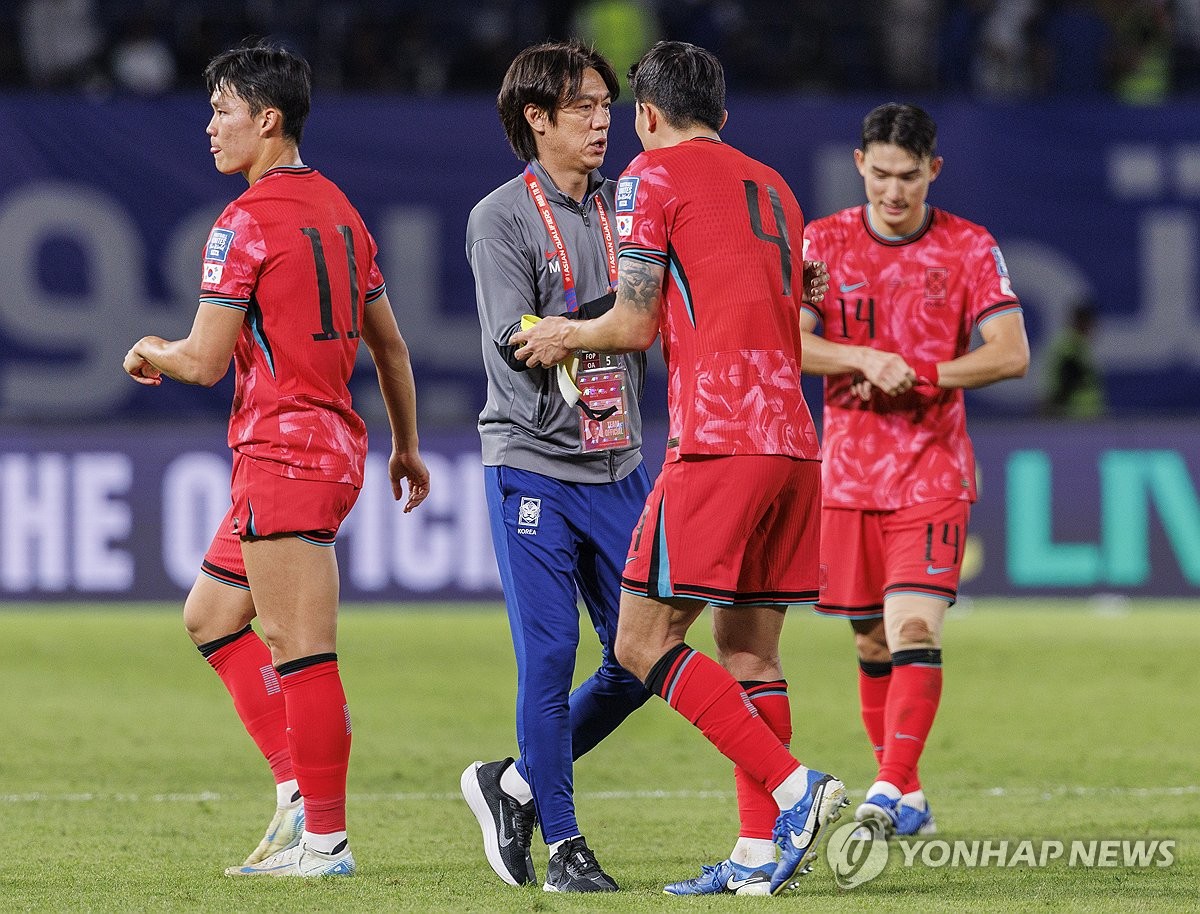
<point>627,189</point>
<point>1001,268</point>
<point>219,243</point>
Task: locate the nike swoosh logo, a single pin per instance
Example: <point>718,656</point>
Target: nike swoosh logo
<point>915,739</point>
<point>929,569</point>
<point>734,884</point>
<point>802,839</point>
<point>850,287</point>
<point>505,839</point>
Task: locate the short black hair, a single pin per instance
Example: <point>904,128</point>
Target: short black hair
<point>906,126</point>
<point>265,76</point>
<point>547,75</point>
<point>685,82</point>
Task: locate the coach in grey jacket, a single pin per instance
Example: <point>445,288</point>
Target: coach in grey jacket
<point>526,423</point>
<point>565,481</point>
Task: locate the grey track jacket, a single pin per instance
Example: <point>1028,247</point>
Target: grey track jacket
<point>525,423</point>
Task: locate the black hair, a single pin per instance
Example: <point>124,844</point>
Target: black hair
<point>265,76</point>
<point>686,83</point>
<point>906,126</point>
<point>547,75</point>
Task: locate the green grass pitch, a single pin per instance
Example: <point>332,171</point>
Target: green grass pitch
<point>127,784</point>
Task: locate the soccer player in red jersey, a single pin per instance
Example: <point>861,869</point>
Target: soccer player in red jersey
<point>710,259</point>
<point>289,287</point>
<point>909,284</point>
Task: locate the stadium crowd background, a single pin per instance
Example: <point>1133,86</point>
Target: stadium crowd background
<point>1137,51</point>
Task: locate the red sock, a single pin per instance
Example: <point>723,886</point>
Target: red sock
<point>757,809</point>
<point>702,690</point>
<point>874,677</point>
<point>912,704</point>
<point>243,662</point>
<point>319,735</point>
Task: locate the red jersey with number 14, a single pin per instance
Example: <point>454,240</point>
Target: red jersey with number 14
<point>728,232</point>
<point>295,256</point>
<point>920,296</point>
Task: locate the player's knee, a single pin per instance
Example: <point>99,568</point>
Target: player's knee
<point>916,631</point>
<point>870,641</point>
<point>871,650</point>
<point>201,627</point>
<point>192,626</point>
<point>272,640</point>
<point>631,657</point>
<point>556,666</point>
<point>752,666</point>
<point>623,653</point>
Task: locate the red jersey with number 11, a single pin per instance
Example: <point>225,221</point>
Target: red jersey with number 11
<point>920,296</point>
<point>294,255</point>
<point>728,232</point>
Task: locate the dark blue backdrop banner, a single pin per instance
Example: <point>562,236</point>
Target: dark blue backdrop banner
<point>104,206</point>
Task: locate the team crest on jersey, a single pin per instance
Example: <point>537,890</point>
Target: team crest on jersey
<point>219,243</point>
<point>212,273</point>
<point>625,225</point>
<point>935,282</point>
<point>530,512</point>
<point>627,189</point>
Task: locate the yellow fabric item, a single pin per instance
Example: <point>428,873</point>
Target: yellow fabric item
<point>567,370</point>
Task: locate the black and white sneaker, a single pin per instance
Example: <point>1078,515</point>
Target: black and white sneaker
<point>507,825</point>
<point>573,868</point>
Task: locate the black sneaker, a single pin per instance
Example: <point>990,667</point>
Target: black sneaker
<point>506,824</point>
<point>573,868</point>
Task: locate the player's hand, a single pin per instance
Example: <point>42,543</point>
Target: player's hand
<point>140,370</point>
<point>816,281</point>
<point>887,371</point>
<point>408,466</point>
<point>542,343</point>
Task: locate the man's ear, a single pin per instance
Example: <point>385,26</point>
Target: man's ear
<point>651,115</point>
<point>536,117</point>
<point>270,122</point>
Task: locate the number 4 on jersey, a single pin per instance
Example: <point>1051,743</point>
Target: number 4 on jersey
<point>780,240</point>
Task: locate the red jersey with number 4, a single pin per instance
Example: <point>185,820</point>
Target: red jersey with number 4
<point>728,232</point>
<point>294,255</point>
<point>920,296</point>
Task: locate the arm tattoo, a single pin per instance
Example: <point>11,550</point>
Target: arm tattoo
<point>640,284</point>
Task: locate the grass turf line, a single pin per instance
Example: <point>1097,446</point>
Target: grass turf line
<point>1056,723</point>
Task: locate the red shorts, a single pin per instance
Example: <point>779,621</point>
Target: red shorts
<point>867,556</point>
<point>266,504</point>
<point>733,531</point>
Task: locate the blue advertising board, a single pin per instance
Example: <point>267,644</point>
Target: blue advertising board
<point>126,511</point>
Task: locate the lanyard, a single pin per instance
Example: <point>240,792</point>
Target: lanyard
<point>568,276</point>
